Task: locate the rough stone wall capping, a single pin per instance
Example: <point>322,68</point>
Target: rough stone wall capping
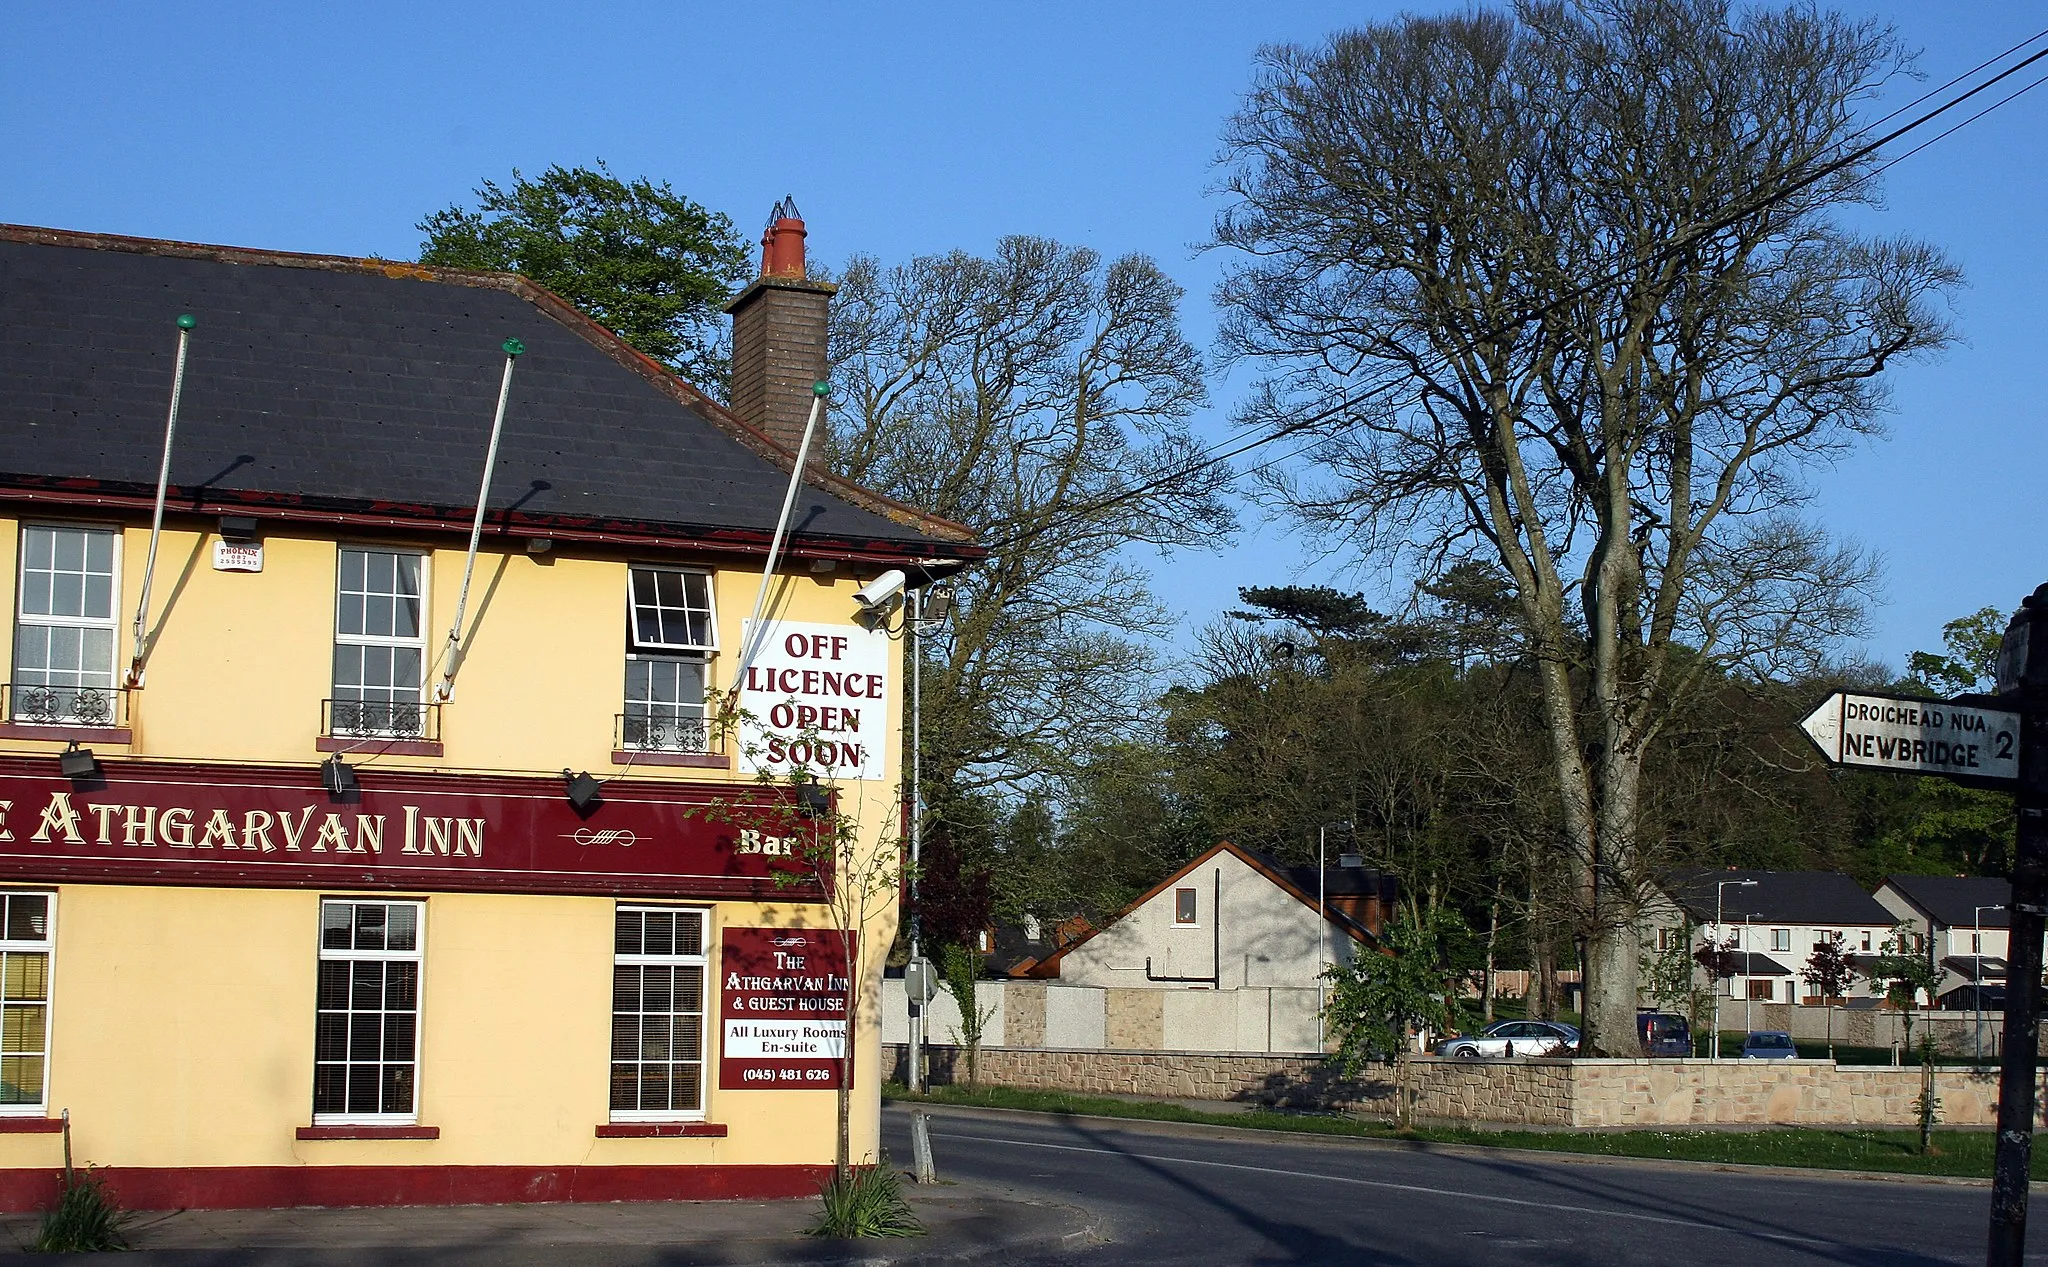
<point>1588,1094</point>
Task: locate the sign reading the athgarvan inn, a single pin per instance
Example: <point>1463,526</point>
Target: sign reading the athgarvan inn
<point>782,1009</point>
<point>273,827</point>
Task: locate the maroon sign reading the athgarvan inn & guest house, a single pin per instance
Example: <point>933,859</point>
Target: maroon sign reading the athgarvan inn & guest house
<point>277,827</point>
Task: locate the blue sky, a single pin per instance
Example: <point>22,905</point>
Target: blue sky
<point>903,129</point>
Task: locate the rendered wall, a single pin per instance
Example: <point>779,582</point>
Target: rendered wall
<point>183,1017</point>
<point>1267,937</point>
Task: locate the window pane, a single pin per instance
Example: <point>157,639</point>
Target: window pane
<point>370,926</point>
<point>37,545</point>
<point>333,984</point>
<point>99,553</point>
<point>27,975</point>
<point>21,1028</point>
<point>352,570</point>
<point>626,940</point>
<point>661,935</point>
<point>366,986</point>
<point>21,1079</point>
<point>401,928</point>
<point>365,1036</point>
<point>626,988</point>
<point>690,933</point>
<point>336,919</point>
<point>402,986</point>
<point>70,550</point>
<point>28,917</point>
<point>330,1036</point>
<point>397,1089</point>
<point>330,1089</point>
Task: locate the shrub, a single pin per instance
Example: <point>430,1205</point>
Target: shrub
<point>867,1201</point>
<point>85,1221</point>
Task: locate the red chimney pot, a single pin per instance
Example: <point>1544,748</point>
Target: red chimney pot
<point>782,249</point>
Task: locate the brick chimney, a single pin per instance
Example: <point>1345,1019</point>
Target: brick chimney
<point>778,336</point>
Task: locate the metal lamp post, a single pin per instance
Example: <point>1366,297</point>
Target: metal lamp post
<point>1323,928</point>
<point>1720,894</point>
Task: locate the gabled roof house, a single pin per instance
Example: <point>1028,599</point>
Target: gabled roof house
<point>1227,919</point>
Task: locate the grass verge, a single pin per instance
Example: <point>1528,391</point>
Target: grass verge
<point>1965,1154</point>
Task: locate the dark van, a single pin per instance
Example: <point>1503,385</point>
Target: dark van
<point>1664,1034</point>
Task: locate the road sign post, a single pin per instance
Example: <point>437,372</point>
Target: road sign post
<point>2023,679</point>
<point>1998,742</point>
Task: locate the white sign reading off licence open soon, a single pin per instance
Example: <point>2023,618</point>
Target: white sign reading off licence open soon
<point>1924,736</point>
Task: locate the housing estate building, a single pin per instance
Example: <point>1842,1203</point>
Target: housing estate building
<point>340,864</point>
<point>1761,927</point>
<point>1962,925</point>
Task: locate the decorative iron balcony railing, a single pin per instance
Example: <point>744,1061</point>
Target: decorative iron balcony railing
<point>94,706</point>
<point>379,719</point>
<point>643,732</point>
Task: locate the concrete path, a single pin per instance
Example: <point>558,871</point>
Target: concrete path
<point>966,1223</point>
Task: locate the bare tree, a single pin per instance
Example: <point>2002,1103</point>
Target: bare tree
<point>1035,395</point>
<point>1527,270</point>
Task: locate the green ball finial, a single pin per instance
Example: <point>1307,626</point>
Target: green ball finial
<point>186,321</point>
<point>821,388</point>
<point>513,347</point>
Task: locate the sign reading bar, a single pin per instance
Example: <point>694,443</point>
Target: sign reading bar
<point>783,1008</point>
<point>1916,736</point>
<point>277,827</point>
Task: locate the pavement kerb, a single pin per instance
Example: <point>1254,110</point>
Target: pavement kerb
<point>966,1223</point>
<point>1215,1131</point>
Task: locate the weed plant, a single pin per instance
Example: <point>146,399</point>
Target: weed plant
<point>866,1201</point>
<point>86,1220</point>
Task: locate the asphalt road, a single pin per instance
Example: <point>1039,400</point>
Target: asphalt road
<point>1193,1195</point>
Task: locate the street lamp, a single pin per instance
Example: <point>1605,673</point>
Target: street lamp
<point>1977,975</point>
<point>1720,893</point>
<point>1323,927</point>
<point>1748,991</point>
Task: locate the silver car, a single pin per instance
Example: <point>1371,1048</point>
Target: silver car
<point>1513,1038</point>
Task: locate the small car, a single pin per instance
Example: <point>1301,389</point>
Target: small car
<point>1664,1034</point>
<point>1768,1044</point>
<point>1513,1038</point>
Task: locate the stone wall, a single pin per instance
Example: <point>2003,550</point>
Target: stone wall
<point>1551,1093</point>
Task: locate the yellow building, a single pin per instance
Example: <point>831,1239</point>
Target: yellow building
<point>300,906</point>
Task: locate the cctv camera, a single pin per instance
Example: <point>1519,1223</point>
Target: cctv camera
<point>880,591</point>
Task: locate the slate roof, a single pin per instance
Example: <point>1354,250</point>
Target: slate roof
<point>1782,897</point>
<point>1953,899</point>
<point>354,384</point>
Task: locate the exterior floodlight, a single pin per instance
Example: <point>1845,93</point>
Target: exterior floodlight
<point>337,777</point>
<point>936,605</point>
<point>1351,861</point>
<point>585,793</point>
<point>812,800</point>
<point>77,763</point>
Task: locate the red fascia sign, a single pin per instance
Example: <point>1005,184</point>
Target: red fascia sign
<point>277,827</point>
<point>782,1009</point>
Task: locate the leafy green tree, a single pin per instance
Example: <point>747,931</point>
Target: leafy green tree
<point>646,261</point>
<point>960,969</point>
<point>1514,270</point>
<point>1829,972</point>
<point>1904,971</point>
<point>1378,1002</point>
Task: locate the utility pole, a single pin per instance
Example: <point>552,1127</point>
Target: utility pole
<point>2022,680</point>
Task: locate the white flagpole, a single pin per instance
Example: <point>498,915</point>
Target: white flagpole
<point>156,523</point>
<point>444,690</point>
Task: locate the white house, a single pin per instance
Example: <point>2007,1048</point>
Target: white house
<point>1774,920</point>
<point>1228,920</point>
<point>1962,921</point>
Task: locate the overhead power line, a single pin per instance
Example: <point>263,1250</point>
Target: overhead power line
<point>1740,211</point>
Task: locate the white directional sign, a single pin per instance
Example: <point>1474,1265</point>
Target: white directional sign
<point>1916,736</point>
